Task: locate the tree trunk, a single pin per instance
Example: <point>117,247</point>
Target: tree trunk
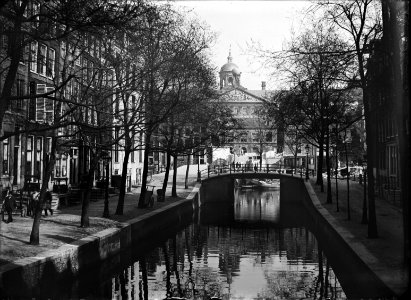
<point>295,160</point>
<point>85,218</point>
<point>35,230</point>
<point>165,181</point>
<point>320,163</point>
<point>174,188</point>
<point>370,142</point>
<point>401,109</point>
<point>187,169</point>
<point>15,46</point>
<point>145,171</point>
<point>121,196</point>
<point>327,159</point>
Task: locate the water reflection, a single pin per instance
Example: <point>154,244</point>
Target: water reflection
<point>257,205</point>
<point>233,261</point>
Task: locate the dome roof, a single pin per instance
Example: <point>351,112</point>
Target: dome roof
<point>230,67</point>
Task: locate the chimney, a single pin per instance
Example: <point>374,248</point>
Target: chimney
<point>263,85</point>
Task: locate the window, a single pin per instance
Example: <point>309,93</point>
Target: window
<point>392,150</point>
<point>58,168</point>
<point>51,60</point>
<point>98,48</point>
<point>117,101</point>
<point>85,40</point>
<point>38,151</point>
<point>77,57</point>
<point>63,50</point>
<point>116,134</point>
<point>41,89</point>
<point>92,46</point>
<point>20,92</point>
<point>41,61</point>
<point>33,56</point>
<point>29,155</point>
<point>133,102</point>
<point>90,73</point>
<point>243,137</point>
<point>140,152</point>
<point>35,12</point>
<point>48,145</point>
<point>84,71</point>
<point>6,152</point>
<point>44,106</point>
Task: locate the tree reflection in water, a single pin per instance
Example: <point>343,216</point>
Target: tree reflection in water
<point>238,259</point>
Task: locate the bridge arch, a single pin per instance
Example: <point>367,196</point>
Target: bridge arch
<point>221,188</point>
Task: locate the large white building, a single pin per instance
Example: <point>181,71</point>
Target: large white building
<point>257,137</point>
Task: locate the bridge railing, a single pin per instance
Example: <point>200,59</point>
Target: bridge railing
<point>216,170</point>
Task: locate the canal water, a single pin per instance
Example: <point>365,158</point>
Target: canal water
<point>250,249</point>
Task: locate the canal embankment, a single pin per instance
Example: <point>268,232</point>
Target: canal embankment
<point>74,255</point>
<point>383,255</point>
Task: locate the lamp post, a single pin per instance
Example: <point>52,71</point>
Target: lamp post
<point>364,219</point>
<point>307,149</point>
<point>336,175</point>
<point>346,141</point>
<point>198,168</point>
<point>106,161</point>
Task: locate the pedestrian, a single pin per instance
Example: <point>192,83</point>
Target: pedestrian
<point>47,205</point>
<point>9,205</point>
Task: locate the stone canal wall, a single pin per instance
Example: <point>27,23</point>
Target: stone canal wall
<point>27,273</point>
<point>349,258</point>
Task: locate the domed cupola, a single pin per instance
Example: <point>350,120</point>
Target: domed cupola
<point>229,73</point>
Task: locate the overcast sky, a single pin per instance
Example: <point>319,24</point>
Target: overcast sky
<point>239,22</point>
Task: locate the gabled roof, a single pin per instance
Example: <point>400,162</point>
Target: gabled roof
<point>262,95</point>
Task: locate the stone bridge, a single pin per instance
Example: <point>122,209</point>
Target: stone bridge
<point>221,188</point>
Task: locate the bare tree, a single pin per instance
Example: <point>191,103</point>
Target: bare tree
<point>315,66</point>
<point>360,21</point>
<point>168,55</point>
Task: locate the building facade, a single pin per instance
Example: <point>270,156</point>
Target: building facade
<point>65,88</point>
<point>257,140</point>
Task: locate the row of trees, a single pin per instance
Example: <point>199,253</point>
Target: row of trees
<point>325,67</point>
<point>126,73</point>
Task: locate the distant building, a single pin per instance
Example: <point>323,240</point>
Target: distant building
<point>258,138</point>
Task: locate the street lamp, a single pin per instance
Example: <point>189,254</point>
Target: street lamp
<point>106,161</point>
<point>307,150</point>
<point>198,168</point>
<point>346,141</point>
<point>364,219</point>
<point>336,175</point>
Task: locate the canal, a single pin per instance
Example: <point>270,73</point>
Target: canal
<point>255,247</point>
<point>250,249</point>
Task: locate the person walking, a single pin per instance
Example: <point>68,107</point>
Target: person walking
<point>47,203</point>
<point>9,205</point>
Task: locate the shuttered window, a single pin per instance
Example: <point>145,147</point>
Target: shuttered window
<point>41,89</point>
<point>49,106</point>
<point>51,62</point>
<point>41,62</point>
<point>44,106</point>
<point>33,56</point>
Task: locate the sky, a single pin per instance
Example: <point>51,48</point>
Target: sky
<point>240,22</point>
